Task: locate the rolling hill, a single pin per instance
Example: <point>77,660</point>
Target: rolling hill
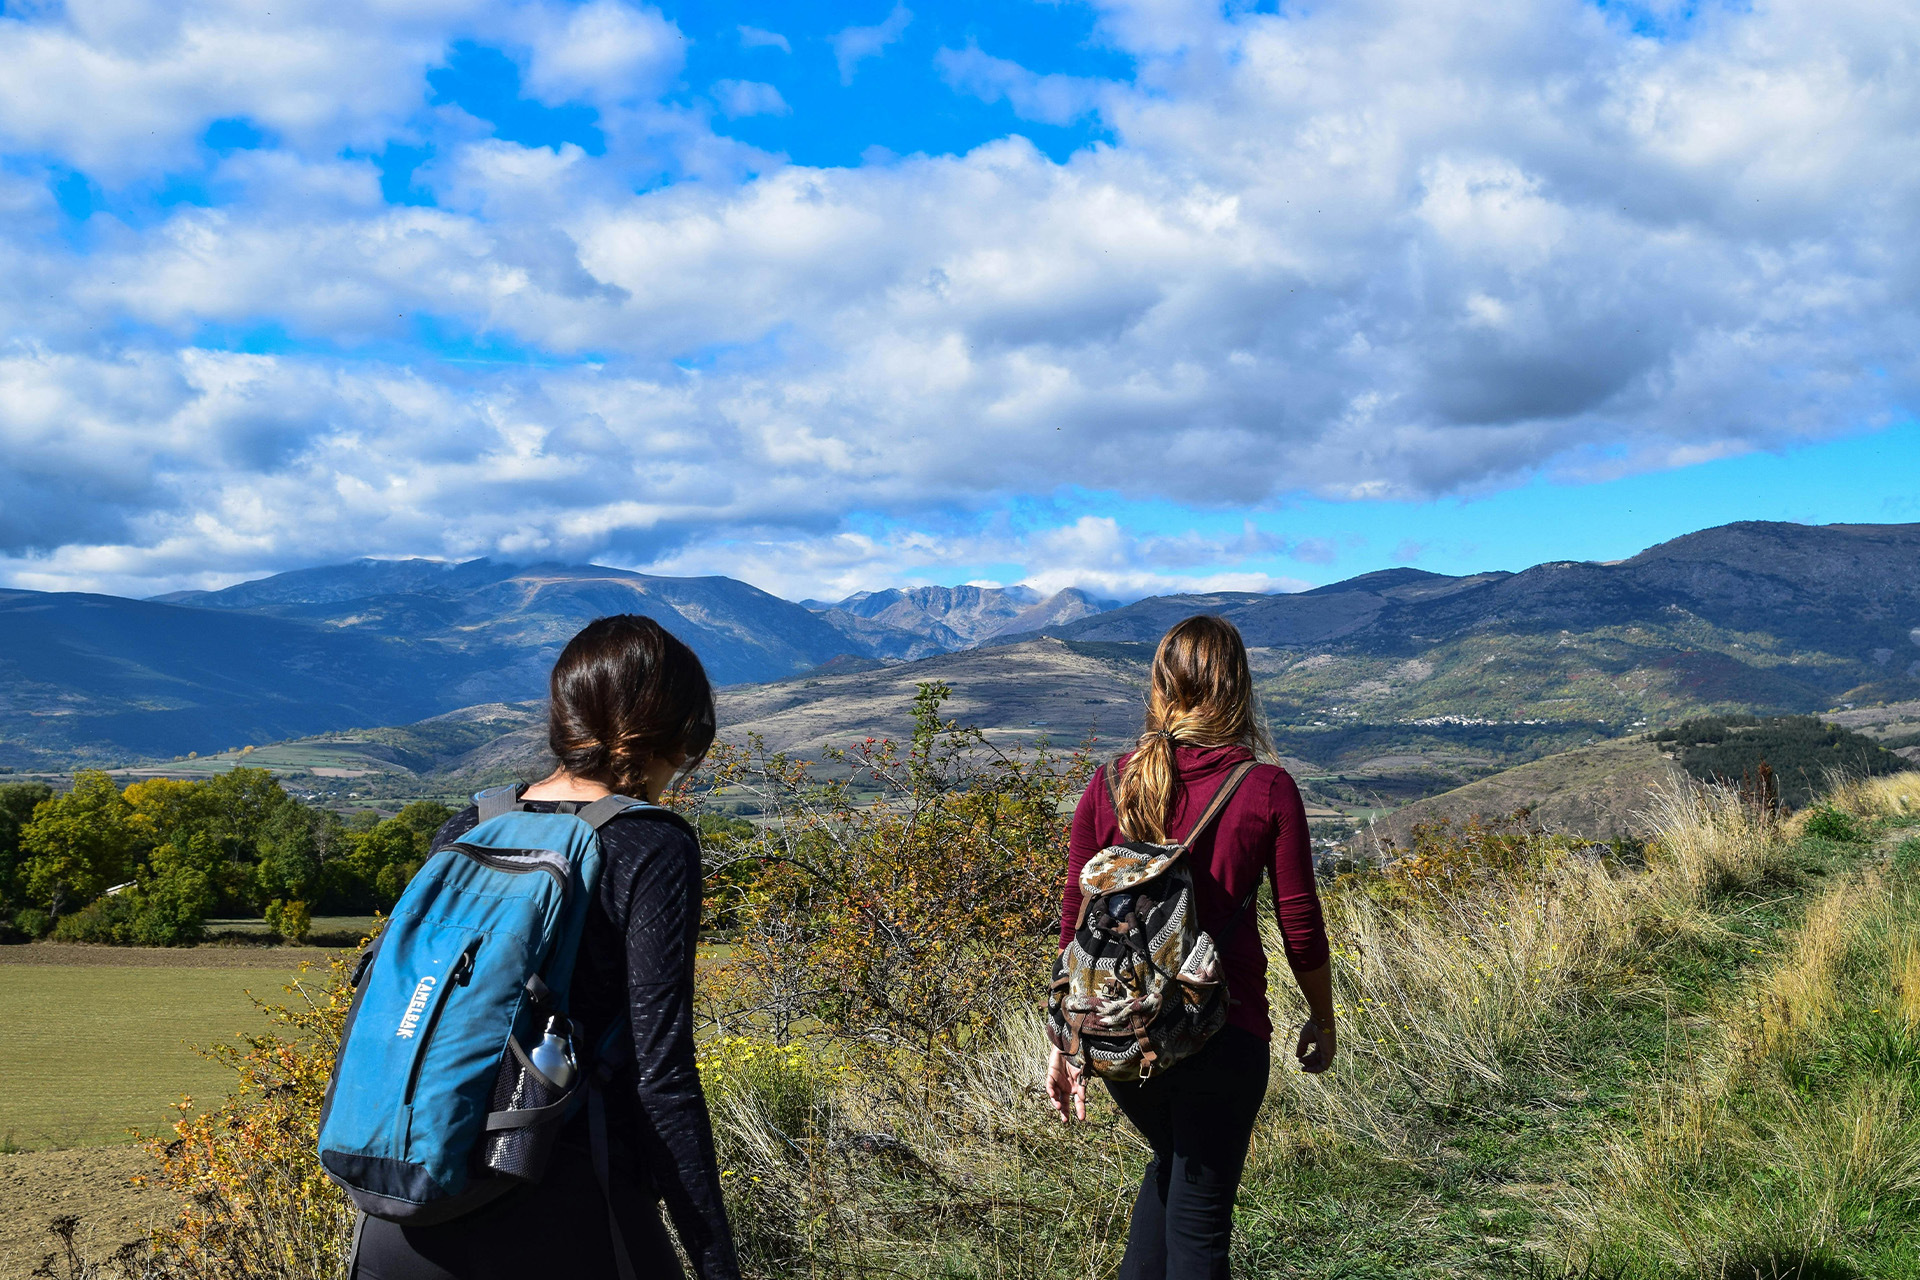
<point>88,677</point>
<point>1397,683</point>
<point>1599,792</point>
<point>521,615</point>
<point>1753,616</point>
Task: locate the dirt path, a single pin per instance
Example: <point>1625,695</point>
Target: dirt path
<point>82,953</point>
<point>91,1183</point>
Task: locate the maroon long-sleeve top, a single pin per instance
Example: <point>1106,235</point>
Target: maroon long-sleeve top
<point>1263,830</point>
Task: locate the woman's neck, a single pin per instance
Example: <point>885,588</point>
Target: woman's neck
<point>561,785</point>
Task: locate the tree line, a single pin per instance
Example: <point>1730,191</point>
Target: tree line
<point>150,863</point>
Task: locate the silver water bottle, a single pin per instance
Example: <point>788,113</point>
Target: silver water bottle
<point>553,1056</point>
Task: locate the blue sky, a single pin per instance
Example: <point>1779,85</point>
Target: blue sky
<point>1139,295</point>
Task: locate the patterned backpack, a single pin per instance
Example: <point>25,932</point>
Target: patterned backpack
<point>1139,988</point>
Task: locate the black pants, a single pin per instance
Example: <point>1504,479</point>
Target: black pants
<point>1198,1118</point>
<point>556,1228</point>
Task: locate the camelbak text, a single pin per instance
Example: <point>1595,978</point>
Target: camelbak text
<point>410,1020</point>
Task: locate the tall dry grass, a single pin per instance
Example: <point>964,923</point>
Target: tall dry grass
<point>1461,975</point>
<point>829,1175</point>
<point>1791,1132</point>
<point>1894,796</point>
<point>1457,978</point>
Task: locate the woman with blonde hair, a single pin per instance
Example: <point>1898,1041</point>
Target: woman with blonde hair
<point>1198,1114</point>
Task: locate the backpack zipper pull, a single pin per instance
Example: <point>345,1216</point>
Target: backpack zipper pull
<point>463,967</point>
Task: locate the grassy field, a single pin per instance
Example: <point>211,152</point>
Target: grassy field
<point>100,1040</point>
<point>1705,1066</point>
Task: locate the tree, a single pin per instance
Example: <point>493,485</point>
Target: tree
<point>424,817</point>
<point>249,808</point>
<point>293,850</point>
<point>164,809</point>
<point>79,845</point>
<point>903,925</point>
<point>381,860</point>
<point>17,803</point>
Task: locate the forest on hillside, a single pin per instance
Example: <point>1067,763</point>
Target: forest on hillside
<point>1804,755</point>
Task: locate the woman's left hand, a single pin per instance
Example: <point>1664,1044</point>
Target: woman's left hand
<point>1315,1046</point>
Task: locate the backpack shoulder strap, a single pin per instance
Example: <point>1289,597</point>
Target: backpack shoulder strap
<point>607,808</point>
<point>498,800</point>
<point>1218,803</point>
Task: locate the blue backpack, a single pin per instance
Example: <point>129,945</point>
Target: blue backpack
<point>458,1063</point>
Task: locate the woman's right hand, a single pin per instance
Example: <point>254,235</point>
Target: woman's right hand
<point>1066,1087</point>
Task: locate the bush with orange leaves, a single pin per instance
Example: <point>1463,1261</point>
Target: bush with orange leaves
<point>255,1204</point>
<point>1446,857</point>
<point>897,911</point>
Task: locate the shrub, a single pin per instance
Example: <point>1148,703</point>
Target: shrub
<point>291,920</point>
<point>110,919</point>
<point>1827,822</point>
<point>168,910</point>
<point>174,906</point>
<point>33,922</point>
<point>900,924</point>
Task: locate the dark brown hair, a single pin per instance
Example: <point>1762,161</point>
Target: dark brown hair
<point>624,694</point>
<point>1202,696</point>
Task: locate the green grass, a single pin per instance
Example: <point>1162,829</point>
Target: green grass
<point>89,1051</point>
<point>1486,1191</point>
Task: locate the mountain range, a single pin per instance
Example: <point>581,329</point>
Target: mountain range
<point>1435,672</point>
<point>93,678</point>
<point>1782,617</point>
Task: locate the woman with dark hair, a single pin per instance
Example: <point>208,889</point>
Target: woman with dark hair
<point>1198,1114</point>
<point>630,707</point>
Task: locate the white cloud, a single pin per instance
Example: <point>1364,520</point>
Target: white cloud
<point>854,45</point>
<point>603,51</point>
<point>1050,99</point>
<point>737,98</point>
<point>1377,250</point>
<point>124,89</point>
<point>755,38</point>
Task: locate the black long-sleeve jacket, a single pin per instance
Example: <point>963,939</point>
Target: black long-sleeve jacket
<point>636,959</point>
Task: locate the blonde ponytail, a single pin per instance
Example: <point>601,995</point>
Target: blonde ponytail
<point>1202,696</point>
